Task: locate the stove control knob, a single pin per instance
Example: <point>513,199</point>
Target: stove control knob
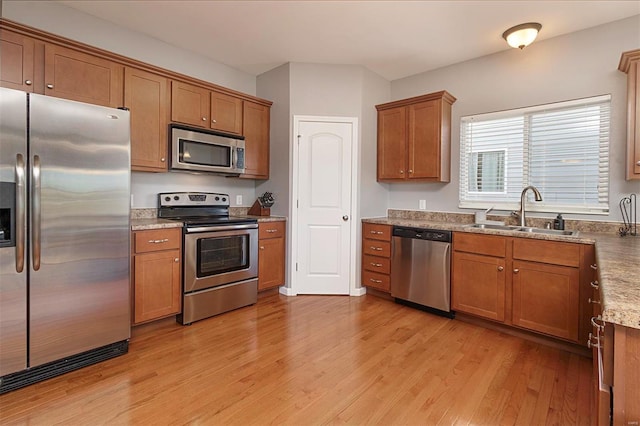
<point>175,197</point>
<point>224,199</point>
<point>167,198</point>
<point>217,198</point>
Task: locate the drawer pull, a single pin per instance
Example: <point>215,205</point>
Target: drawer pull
<point>271,231</point>
<point>500,268</point>
<point>594,266</point>
<point>590,343</point>
<point>261,247</point>
<point>176,260</point>
<point>375,281</point>
<point>375,248</point>
<point>595,284</point>
<point>376,232</point>
<point>377,265</point>
<point>594,322</point>
<point>515,271</point>
<point>164,240</point>
<point>597,302</point>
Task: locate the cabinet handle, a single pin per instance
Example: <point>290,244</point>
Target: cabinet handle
<point>49,86</point>
<point>375,248</point>
<point>377,265</point>
<point>595,284</point>
<point>595,302</point>
<point>261,247</point>
<point>204,118</point>
<point>410,171</point>
<point>27,82</point>
<point>594,266</point>
<point>271,231</point>
<point>594,322</point>
<point>515,271</point>
<point>176,260</point>
<point>376,232</point>
<point>637,163</point>
<point>590,344</point>
<point>500,268</point>
<point>375,281</point>
<point>213,120</point>
<point>165,240</point>
<point>401,172</point>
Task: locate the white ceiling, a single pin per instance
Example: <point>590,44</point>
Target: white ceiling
<point>394,39</point>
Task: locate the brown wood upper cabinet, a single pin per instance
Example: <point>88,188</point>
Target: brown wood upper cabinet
<point>17,58</point>
<point>78,76</point>
<point>630,64</point>
<point>200,107</point>
<point>255,129</point>
<point>147,97</point>
<point>414,139</point>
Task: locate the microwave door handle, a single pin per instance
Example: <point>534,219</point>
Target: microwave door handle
<point>234,157</point>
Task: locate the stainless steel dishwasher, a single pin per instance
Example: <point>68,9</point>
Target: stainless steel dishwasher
<point>421,268</point>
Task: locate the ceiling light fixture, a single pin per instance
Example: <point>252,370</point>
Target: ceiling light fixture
<point>522,35</point>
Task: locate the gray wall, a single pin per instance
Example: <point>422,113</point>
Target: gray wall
<point>571,66</point>
<point>68,22</point>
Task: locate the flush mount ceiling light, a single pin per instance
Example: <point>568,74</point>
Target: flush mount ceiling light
<point>522,35</point>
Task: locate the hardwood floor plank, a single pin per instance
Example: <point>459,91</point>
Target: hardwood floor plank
<point>316,360</point>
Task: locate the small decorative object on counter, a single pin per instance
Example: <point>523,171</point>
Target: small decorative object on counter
<point>628,209</point>
<point>262,206</point>
<point>558,222</point>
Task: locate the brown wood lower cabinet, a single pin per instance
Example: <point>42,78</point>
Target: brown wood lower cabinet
<point>527,283</point>
<point>376,256</point>
<point>271,256</point>
<point>156,274</point>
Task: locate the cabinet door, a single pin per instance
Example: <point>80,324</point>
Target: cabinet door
<point>70,74</point>
<point>424,140</point>
<point>633,147</point>
<point>478,285</point>
<point>226,113</point>
<point>256,133</point>
<point>545,298</point>
<point>271,263</point>
<point>392,143</point>
<point>147,97</point>
<point>190,104</point>
<point>16,61</point>
<point>157,285</point>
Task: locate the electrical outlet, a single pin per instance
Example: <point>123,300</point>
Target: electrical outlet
<point>423,204</point>
<point>238,200</point>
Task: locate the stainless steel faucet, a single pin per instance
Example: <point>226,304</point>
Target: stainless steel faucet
<point>523,198</point>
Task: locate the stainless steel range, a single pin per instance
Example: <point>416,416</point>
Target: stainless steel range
<point>220,254</point>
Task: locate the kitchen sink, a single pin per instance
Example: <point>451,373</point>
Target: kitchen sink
<point>565,232</point>
<point>528,229</point>
<point>493,226</point>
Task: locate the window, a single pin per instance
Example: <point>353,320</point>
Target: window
<point>562,149</point>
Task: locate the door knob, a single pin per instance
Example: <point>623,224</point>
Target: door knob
<point>345,218</point>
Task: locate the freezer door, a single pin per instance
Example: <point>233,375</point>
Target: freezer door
<point>79,228</point>
<point>13,270</point>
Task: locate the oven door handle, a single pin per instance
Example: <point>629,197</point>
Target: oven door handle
<point>220,228</point>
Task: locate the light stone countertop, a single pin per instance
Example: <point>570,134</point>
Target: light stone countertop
<point>142,224</point>
<point>618,260</point>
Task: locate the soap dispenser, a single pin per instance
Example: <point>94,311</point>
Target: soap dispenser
<point>558,222</point>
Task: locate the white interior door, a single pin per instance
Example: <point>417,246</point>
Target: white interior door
<point>324,222</point>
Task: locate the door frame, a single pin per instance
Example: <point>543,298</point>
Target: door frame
<point>354,212</point>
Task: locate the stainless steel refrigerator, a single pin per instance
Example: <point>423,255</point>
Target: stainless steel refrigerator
<point>64,236</point>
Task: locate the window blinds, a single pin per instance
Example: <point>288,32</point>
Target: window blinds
<point>562,149</point>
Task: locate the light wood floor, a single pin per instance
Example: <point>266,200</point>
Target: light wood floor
<point>316,360</point>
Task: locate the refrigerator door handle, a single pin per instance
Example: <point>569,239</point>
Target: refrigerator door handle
<point>21,212</point>
<point>35,214</point>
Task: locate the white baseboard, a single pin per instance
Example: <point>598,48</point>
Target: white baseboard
<point>360,291</point>
<point>287,291</point>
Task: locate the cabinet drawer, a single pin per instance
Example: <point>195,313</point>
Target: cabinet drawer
<point>379,281</point>
<point>376,232</point>
<point>376,248</point>
<point>271,230</point>
<point>157,239</point>
<point>480,244</point>
<point>552,252</point>
<point>376,264</point>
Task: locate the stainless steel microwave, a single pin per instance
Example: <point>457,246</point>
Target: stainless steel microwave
<point>200,151</point>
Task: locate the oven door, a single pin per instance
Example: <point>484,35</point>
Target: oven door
<point>217,257</point>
